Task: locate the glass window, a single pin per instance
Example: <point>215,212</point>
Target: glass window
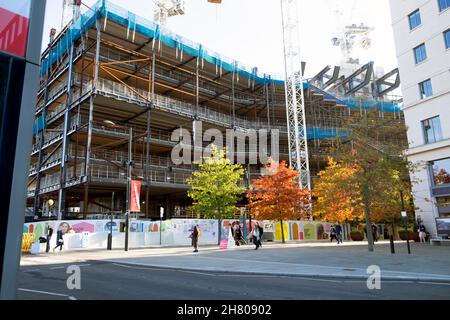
<point>441,171</point>
<point>420,53</point>
<point>414,19</point>
<point>443,4</point>
<point>432,129</point>
<point>447,39</point>
<point>425,89</point>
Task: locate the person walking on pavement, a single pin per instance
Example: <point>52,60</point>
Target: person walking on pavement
<point>422,233</point>
<point>257,235</point>
<point>338,229</point>
<point>374,233</point>
<point>194,236</point>
<point>332,233</point>
<point>59,240</point>
<point>49,236</point>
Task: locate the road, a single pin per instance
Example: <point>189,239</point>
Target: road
<point>110,280</point>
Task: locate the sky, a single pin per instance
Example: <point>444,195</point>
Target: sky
<point>250,32</point>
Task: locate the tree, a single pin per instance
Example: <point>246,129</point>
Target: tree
<point>337,196</point>
<point>277,195</point>
<point>215,188</point>
<point>374,150</point>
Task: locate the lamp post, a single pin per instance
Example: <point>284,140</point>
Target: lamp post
<point>405,217</point>
<point>161,215</point>
<point>111,224</point>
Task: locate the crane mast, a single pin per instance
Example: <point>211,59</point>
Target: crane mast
<point>295,102</point>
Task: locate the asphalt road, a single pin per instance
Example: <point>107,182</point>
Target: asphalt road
<point>109,281</point>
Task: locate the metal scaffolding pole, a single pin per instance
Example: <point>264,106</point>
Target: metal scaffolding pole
<point>91,122</point>
<point>62,180</point>
<point>41,143</point>
<point>233,104</point>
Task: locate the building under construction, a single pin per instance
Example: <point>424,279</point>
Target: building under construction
<point>110,71</point>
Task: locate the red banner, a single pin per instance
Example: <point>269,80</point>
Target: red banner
<point>135,205</point>
<point>14,26</point>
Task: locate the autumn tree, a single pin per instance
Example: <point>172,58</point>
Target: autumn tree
<point>276,195</point>
<point>373,152</point>
<point>215,187</point>
<point>337,196</point>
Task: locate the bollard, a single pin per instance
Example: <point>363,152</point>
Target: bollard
<point>391,239</point>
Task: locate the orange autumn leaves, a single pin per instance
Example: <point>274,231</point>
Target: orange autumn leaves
<point>337,194</point>
<point>277,194</point>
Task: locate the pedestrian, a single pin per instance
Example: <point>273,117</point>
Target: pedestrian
<point>332,233</point>
<point>238,235</point>
<point>257,235</point>
<point>49,236</point>
<point>338,229</point>
<point>374,232</point>
<point>194,236</point>
<point>59,240</point>
<point>422,232</point>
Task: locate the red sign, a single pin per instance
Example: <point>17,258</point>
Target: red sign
<point>14,20</point>
<point>135,205</point>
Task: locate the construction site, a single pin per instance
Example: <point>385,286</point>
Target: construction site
<point>115,86</point>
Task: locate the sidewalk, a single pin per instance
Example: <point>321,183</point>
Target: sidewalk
<point>324,259</point>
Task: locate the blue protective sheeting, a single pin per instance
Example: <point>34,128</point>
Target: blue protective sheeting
<point>152,30</point>
<point>39,125</point>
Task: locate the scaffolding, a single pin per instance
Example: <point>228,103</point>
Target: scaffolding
<point>110,71</point>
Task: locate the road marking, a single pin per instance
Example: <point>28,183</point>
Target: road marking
<point>72,298</point>
<point>435,283</point>
<point>31,270</point>
<point>84,265</point>
<point>54,268</point>
<point>44,292</point>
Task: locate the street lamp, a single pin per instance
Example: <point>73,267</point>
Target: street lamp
<point>127,214</point>
<point>405,217</point>
<point>161,215</point>
<point>110,235</point>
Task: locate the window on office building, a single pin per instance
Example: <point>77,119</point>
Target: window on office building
<point>441,171</point>
<point>425,89</point>
<point>420,53</point>
<point>443,4</point>
<point>447,39</point>
<point>432,129</point>
<point>414,19</point>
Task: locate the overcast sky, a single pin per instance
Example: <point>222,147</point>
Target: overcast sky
<point>249,31</point>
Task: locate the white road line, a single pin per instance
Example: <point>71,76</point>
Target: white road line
<point>44,292</point>
<point>72,298</point>
<point>134,267</point>
<point>84,265</point>
<point>31,270</point>
<point>435,283</point>
<point>54,268</point>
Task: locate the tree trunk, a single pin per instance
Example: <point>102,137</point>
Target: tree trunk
<point>367,216</point>
<point>282,231</point>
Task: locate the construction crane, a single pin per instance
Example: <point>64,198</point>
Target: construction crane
<point>164,9</point>
<point>349,35</point>
<point>295,101</point>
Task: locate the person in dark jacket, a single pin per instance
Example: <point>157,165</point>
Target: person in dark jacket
<point>49,236</point>
<point>374,233</point>
<point>338,229</point>
<point>332,233</point>
<point>194,237</point>
<point>59,240</point>
<point>422,233</point>
<point>257,235</point>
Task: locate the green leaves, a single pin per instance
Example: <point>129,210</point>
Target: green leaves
<point>215,188</point>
